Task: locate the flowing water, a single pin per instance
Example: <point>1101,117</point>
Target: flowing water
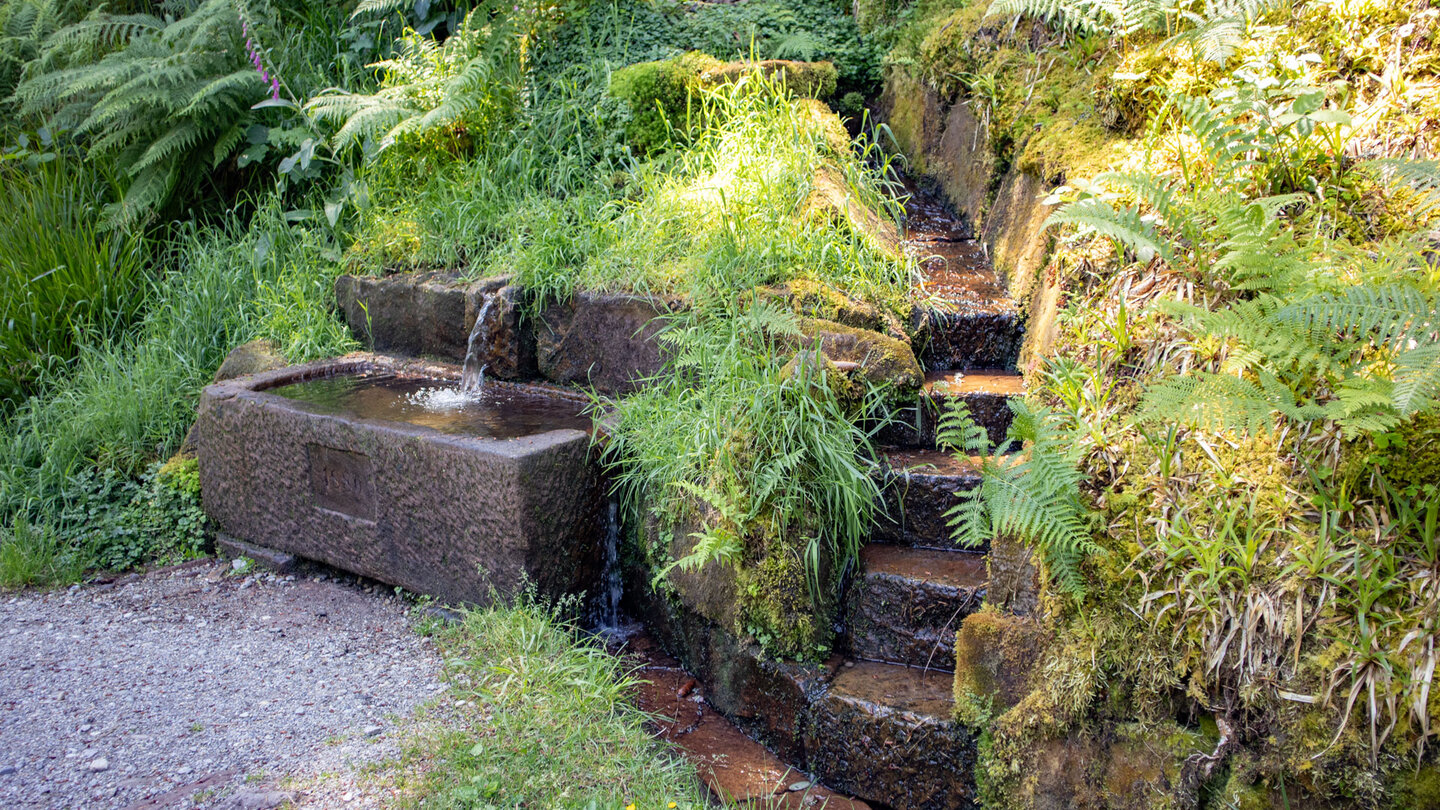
<point>472,376</point>
<point>505,412</point>
<point>955,267</point>
<point>612,585</point>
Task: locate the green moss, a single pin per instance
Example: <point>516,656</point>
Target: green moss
<point>1063,146</point>
<point>1418,790</point>
<point>1413,458</point>
<point>776,608</point>
<point>907,118</point>
<point>659,94</point>
<point>800,79</point>
<point>1240,795</point>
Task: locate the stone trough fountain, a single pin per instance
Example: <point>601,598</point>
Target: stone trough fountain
<point>385,467</point>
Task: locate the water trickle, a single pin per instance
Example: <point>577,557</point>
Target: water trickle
<point>611,582</point>
<point>472,376</point>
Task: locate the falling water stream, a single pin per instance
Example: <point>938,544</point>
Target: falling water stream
<point>611,581</point>
<point>472,376</point>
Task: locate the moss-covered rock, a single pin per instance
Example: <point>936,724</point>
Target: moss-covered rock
<point>801,79</point>
<point>250,358</point>
<point>831,200</point>
<point>661,93</point>
<point>819,366</point>
<point>995,655</point>
<point>765,596</point>
<point>814,299</point>
<point>883,360</point>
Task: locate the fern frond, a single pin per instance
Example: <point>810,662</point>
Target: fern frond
<point>1153,191</point>
<point>379,8</point>
<point>1417,379</point>
<point>176,140</point>
<point>1387,314</point>
<point>1420,174</point>
<point>957,431</point>
<point>230,91</point>
<point>1124,226</point>
<point>1035,498</point>
<point>1224,139</point>
<point>1208,401</point>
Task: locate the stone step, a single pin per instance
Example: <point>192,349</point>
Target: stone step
<point>885,733</point>
<point>986,391</point>
<point>917,488</point>
<point>970,320</point>
<point>906,604</point>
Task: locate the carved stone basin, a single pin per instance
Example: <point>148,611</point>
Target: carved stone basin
<point>380,467</point>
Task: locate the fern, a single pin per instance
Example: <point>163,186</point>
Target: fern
<point>1386,315</point>
<point>1035,496</point>
<point>1417,379</point>
<point>164,101</point>
<point>1125,226</point>
<point>471,82</point>
<point>1113,17</point>
<point>1320,340</point>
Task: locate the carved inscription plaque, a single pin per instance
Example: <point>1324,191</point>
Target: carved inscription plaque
<point>342,481</point>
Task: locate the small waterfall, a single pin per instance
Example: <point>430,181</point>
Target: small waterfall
<point>472,376</point>
<point>611,581</point>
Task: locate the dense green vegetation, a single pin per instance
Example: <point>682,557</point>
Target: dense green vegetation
<point>1245,376</point>
<point>1230,452</point>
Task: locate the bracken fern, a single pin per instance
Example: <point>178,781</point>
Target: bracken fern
<point>1034,496</point>
<point>167,102</point>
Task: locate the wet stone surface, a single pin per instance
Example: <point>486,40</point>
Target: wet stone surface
<point>886,730</point>
<point>967,318</point>
<point>736,768</point>
<point>192,681</point>
<point>985,391</point>
<point>907,605</point>
<point>919,487</point>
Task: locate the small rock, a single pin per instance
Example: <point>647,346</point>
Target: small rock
<point>373,731</point>
<point>257,799</point>
<point>795,787</point>
<point>101,764</point>
<point>8,770</point>
<point>237,564</point>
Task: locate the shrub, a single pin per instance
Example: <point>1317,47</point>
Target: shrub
<point>120,522</point>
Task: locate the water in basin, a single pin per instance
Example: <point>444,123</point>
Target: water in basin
<point>498,412</point>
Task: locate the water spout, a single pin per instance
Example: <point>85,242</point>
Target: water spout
<point>472,376</point>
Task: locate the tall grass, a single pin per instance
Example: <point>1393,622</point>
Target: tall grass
<point>129,401</point>
<point>735,209</point>
<point>64,282</point>
<point>759,455</point>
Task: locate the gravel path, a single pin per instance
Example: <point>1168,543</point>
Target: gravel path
<point>192,682</point>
